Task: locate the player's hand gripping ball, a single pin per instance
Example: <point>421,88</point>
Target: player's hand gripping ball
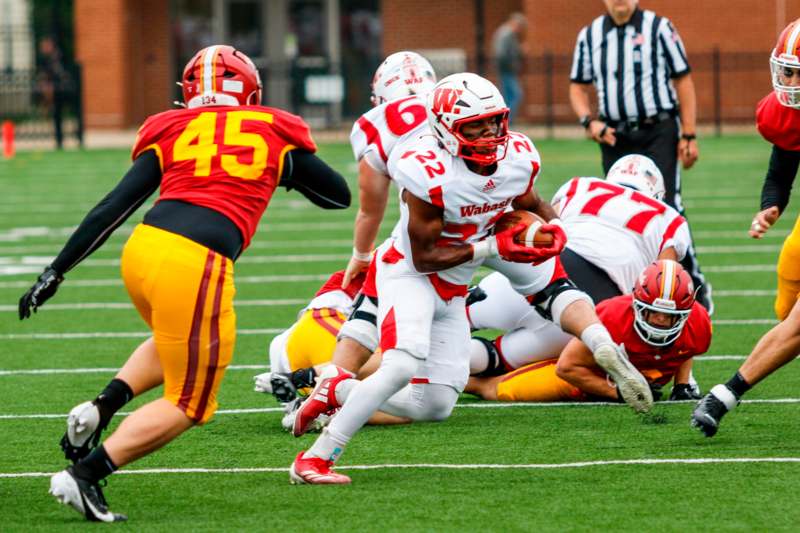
<point>531,237</point>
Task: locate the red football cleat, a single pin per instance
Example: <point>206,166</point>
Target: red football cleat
<point>321,401</point>
<point>314,471</point>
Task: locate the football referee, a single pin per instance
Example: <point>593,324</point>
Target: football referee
<point>645,98</point>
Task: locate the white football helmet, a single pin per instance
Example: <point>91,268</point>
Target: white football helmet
<point>638,172</point>
<point>462,98</point>
<point>402,74</point>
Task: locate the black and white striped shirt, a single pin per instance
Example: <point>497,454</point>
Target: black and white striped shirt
<point>631,66</point>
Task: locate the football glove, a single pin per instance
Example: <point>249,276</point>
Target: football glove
<point>44,289</point>
<point>683,391</point>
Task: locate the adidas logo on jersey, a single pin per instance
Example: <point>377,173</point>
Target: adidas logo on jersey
<point>490,186</point>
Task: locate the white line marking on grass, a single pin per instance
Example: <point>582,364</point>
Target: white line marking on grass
<point>278,302</point>
<point>102,370</point>
<point>256,245</point>
<point>443,466</point>
<point>266,331</point>
<point>98,370</point>
<point>737,234</point>
<point>12,263</point>
<point>118,334</point>
<point>746,249</point>
<point>471,405</point>
<point>740,268</point>
<point>108,282</point>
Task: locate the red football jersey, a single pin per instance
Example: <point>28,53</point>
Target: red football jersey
<point>226,158</point>
<point>778,124</point>
<point>334,283</point>
<point>657,364</point>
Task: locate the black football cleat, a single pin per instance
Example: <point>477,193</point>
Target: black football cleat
<point>710,410</point>
<point>83,496</point>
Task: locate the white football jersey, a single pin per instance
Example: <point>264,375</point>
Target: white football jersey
<point>376,132</point>
<point>617,228</point>
<point>471,202</point>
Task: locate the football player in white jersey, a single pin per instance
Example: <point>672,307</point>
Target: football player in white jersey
<point>454,185</point>
<point>615,228</point>
<point>399,88</point>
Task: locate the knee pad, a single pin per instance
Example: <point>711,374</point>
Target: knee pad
<point>552,301</point>
<point>399,365</point>
<point>362,324</point>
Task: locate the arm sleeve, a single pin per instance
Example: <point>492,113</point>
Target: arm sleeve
<point>782,170</point>
<point>141,180</point>
<point>315,180</point>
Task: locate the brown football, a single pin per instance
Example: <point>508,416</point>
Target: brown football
<point>531,236</point>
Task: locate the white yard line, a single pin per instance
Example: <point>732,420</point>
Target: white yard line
<point>279,302</point>
<point>113,282</point>
<point>445,466</point>
<point>97,370</point>
<point>103,370</point>
<point>270,331</point>
<point>471,405</point>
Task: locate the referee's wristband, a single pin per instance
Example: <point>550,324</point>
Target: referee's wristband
<point>361,256</point>
<point>585,121</point>
<point>689,137</point>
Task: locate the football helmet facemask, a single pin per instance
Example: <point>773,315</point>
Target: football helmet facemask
<point>663,287</point>
<point>464,98</point>
<point>638,172</point>
<point>220,75</point>
<point>402,74</point>
<point>784,64</point>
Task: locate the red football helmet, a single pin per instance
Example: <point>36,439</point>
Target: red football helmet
<point>663,287</point>
<point>220,75</point>
<point>785,66</point>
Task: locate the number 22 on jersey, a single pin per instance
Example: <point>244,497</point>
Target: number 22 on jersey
<point>197,143</point>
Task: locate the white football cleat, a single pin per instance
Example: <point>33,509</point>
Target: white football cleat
<point>83,431</point>
<point>83,496</point>
<point>631,383</point>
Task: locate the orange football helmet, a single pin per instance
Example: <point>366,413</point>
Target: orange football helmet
<point>220,75</point>
<point>663,287</point>
<point>785,66</point>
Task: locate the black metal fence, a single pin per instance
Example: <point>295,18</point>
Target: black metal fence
<point>43,103</point>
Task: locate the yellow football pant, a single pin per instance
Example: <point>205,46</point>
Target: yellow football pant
<point>788,273</point>
<point>313,339</point>
<point>536,382</point>
<point>184,292</point>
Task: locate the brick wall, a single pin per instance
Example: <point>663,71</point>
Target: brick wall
<point>124,48</point>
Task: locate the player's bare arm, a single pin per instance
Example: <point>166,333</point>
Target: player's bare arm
<point>668,253</point>
<point>373,194</point>
<point>688,151</point>
<point>596,129</point>
<point>576,365</point>
<point>425,225</point>
<point>531,201</point>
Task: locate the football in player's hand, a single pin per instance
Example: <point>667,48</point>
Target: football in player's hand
<point>531,236</point>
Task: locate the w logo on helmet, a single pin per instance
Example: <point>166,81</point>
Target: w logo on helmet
<point>444,99</point>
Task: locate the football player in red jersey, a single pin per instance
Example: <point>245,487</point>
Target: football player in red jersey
<point>661,326</point>
<point>778,121</point>
<point>217,163</point>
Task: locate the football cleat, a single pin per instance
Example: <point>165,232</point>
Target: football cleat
<point>83,431</point>
<point>710,410</point>
<point>314,471</point>
<point>83,496</point>
<point>321,401</point>
<point>630,382</point>
<point>291,408</point>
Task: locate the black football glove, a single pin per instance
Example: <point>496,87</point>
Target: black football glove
<point>655,389</point>
<point>683,391</point>
<point>44,289</point>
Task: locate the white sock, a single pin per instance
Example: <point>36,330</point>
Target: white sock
<point>478,357</point>
<point>595,336</point>
<point>343,390</point>
<point>327,446</point>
